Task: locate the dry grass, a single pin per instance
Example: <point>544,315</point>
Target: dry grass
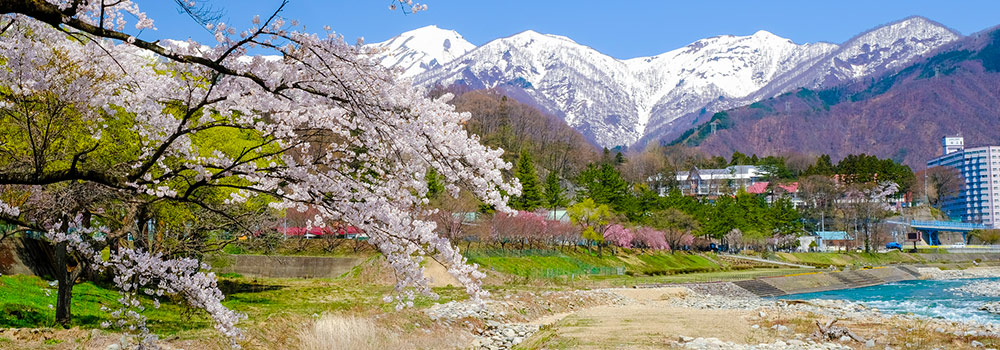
<point>345,332</point>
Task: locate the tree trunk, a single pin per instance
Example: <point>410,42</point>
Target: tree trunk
<point>65,295</point>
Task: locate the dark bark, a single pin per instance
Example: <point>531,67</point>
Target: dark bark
<point>65,295</point>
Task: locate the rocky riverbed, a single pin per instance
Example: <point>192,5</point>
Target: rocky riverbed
<point>991,307</point>
<point>793,344</point>
<point>985,288</point>
<point>774,324</point>
<point>510,320</point>
<point>975,272</point>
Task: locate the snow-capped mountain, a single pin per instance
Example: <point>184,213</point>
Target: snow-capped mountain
<point>883,49</point>
<point>871,53</point>
<point>422,49</point>
<point>617,102</point>
<point>593,92</point>
<point>718,69</point>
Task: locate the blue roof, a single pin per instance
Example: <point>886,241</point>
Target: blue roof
<point>832,235</point>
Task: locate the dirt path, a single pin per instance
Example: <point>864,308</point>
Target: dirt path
<point>647,321</point>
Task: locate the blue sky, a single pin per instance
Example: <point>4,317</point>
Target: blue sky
<point>622,28</point>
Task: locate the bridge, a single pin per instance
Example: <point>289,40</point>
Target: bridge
<point>929,229</point>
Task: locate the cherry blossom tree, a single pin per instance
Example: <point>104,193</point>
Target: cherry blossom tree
<point>320,125</point>
<point>647,237</point>
<point>619,235</point>
<point>866,205</point>
<point>676,225</point>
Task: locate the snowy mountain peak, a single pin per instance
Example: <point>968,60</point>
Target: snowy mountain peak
<point>873,52</point>
<point>617,102</point>
<point>531,35</point>
<point>766,35</point>
<point>421,49</point>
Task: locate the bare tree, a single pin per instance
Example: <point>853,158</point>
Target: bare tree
<point>935,184</point>
<point>820,193</point>
<point>866,206</point>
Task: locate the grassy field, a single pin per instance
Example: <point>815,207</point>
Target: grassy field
<point>560,264</point>
<point>272,306</point>
<point>27,301</point>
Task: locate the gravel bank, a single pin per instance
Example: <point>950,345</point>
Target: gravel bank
<point>722,289</point>
<point>792,344</point>
<point>985,288</point>
<point>975,272</point>
<point>504,329</point>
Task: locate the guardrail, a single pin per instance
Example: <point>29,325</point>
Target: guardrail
<point>947,224</point>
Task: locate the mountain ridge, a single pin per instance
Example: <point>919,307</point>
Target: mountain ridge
<point>625,102</point>
<point>901,115</point>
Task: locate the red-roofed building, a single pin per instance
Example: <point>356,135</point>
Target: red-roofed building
<point>776,190</point>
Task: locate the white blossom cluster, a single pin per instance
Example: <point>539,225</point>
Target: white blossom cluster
<point>879,193</point>
<point>136,272</point>
<point>340,132</point>
<point>9,210</point>
<point>407,6</point>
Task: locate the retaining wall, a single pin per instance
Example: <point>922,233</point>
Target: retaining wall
<point>285,266</point>
<point>959,257</point>
<point>828,280</point>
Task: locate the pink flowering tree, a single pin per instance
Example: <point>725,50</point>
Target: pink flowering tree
<point>521,228</point>
<point>317,125</point>
<point>783,241</point>
<point>650,238</point>
<point>619,235</point>
<point>563,234</point>
<point>678,227</point>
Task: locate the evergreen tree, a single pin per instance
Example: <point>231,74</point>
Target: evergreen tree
<point>554,193</point>
<point>605,185</point>
<point>823,166</point>
<point>531,189</point>
<point>740,159</point>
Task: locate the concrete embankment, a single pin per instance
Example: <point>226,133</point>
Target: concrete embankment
<point>959,257</point>
<point>824,281</point>
<point>285,266</point>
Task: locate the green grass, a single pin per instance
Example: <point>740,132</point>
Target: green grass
<point>553,263</point>
<point>849,259</point>
<point>715,276</point>
<point>25,300</point>
<point>28,301</point>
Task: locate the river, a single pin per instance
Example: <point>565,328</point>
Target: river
<point>922,297</point>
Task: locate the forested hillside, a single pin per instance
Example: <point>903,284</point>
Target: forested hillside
<point>516,127</point>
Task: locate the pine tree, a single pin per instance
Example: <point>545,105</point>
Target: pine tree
<point>605,185</point>
<point>531,189</point>
<point>554,193</point>
<point>619,158</point>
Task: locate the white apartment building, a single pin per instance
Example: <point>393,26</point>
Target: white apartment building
<point>979,200</point>
<point>717,182</point>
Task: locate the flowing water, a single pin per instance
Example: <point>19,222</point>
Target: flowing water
<point>922,297</point>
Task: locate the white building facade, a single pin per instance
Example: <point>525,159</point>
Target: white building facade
<point>979,199</point>
<point>717,182</point>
